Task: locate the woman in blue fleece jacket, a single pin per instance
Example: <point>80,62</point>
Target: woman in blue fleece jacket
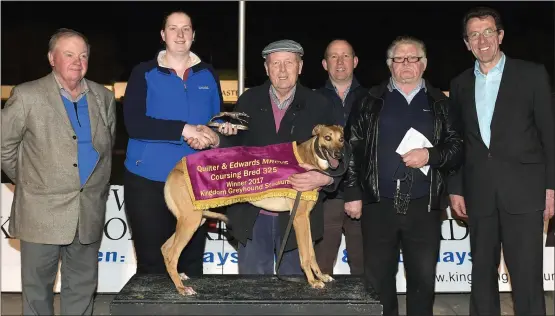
<point>164,100</point>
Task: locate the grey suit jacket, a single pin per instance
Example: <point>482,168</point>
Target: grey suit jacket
<point>39,152</point>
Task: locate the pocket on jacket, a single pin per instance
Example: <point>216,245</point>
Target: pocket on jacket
<point>532,159</point>
<point>33,187</point>
<point>136,150</point>
<point>33,184</point>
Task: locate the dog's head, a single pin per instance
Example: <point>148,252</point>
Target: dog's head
<point>330,143</point>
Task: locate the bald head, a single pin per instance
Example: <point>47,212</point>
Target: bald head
<point>340,61</point>
<point>338,42</point>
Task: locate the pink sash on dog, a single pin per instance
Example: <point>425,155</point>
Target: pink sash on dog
<point>225,176</point>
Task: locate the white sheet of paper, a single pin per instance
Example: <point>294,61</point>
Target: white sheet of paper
<point>414,139</point>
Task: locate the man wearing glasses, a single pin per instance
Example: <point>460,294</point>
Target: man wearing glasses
<point>401,194</point>
<point>506,185</point>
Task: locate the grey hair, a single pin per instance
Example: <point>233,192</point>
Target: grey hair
<point>62,33</point>
<point>405,40</point>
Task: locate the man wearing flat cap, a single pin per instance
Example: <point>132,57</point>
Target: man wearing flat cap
<point>281,110</point>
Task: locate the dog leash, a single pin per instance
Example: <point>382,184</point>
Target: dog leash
<point>292,218</point>
<point>284,242</point>
<point>286,235</point>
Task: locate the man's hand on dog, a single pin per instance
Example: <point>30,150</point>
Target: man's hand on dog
<point>353,209</point>
<point>200,136</point>
<point>310,180</point>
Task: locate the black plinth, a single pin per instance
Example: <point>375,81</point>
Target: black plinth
<point>244,295</point>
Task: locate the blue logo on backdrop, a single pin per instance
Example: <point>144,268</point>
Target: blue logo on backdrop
<point>110,256</point>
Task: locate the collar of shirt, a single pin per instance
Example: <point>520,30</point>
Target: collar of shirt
<point>83,87</point>
<point>161,58</point>
<point>344,94</point>
<point>282,105</point>
<point>497,69</point>
<point>392,85</point>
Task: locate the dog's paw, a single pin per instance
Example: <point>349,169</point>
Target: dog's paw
<point>317,284</point>
<point>186,290</point>
<point>326,278</point>
<point>183,277</point>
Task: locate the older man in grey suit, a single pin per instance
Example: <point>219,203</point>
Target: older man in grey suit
<point>57,139</point>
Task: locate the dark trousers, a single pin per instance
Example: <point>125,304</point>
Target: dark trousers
<point>418,234</point>
<point>258,256</point>
<point>152,223</point>
<point>522,238</point>
<point>79,277</point>
<point>336,223</point>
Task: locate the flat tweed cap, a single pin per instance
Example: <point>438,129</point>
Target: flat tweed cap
<point>283,46</point>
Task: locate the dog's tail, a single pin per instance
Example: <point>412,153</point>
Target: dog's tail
<point>215,215</point>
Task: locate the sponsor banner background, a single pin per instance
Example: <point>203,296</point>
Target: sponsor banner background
<point>117,259</point>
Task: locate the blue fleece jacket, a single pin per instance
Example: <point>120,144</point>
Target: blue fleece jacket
<point>157,105</point>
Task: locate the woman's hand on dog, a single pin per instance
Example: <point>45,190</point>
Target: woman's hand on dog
<point>310,180</point>
<point>353,209</point>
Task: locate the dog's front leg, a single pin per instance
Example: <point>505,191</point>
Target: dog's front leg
<point>313,262</point>
<point>302,232</point>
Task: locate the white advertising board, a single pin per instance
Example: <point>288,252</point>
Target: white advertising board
<point>117,259</point>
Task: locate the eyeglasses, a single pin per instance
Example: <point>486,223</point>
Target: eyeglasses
<point>486,33</point>
<point>410,59</point>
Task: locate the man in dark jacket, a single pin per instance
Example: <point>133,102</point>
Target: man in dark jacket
<point>506,187</point>
<point>280,110</point>
<point>342,89</point>
<point>401,193</point>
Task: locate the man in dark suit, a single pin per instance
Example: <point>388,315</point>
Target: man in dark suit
<point>506,184</point>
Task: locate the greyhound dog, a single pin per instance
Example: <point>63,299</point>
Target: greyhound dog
<point>323,151</point>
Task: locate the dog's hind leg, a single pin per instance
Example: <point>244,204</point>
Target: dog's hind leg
<point>188,220</point>
<point>165,248</point>
<point>302,232</point>
<point>185,229</point>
